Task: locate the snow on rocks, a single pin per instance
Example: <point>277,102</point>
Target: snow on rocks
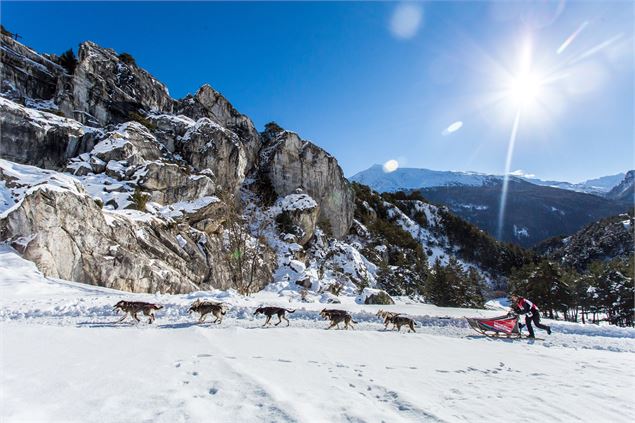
<point>17,181</point>
<point>131,142</point>
<point>300,212</point>
<point>298,201</point>
<point>297,266</point>
<point>184,208</point>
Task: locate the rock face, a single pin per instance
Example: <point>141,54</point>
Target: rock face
<point>26,74</point>
<point>169,129</point>
<point>290,163</point>
<point>130,142</point>
<point>207,145</point>
<point>39,138</point>
<point>209,103</point>
<point>70,237</point>
<point>186,166</point>
<point>170,183</point>
<point>105,89</point>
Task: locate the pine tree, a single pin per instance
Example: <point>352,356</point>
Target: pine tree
<point>437,285</point>
<point>475,289</point>
<point>68,61</point>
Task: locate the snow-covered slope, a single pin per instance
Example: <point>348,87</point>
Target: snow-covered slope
<point>63,359</point>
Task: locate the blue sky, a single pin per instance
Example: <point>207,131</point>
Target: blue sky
<point>371,82</point>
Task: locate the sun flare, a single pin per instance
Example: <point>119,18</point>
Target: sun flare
<point>525,89</point>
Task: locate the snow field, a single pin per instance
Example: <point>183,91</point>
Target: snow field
<point>63,359</point>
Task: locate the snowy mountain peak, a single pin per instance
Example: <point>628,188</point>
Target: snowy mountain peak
<point>415,178</point>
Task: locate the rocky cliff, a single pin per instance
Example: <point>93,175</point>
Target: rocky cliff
<point>106,179</point>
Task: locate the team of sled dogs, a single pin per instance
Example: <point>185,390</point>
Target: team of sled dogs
<point>218,310</point>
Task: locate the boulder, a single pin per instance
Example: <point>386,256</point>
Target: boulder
<point>298,216</point>
<point>376,296</point>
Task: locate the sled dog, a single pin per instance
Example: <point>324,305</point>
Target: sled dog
<point>338,316</point>
<point>134,307</point>
<point>387,316</point>
<point>400,321</point>
<point>204,308</point>
<point>270,311</point>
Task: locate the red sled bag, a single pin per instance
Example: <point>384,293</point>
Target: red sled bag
<point>496,326</point>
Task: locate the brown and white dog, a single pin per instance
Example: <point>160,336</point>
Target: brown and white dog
<point>270,311</point>
<point>204,308</point>
<point>338,316</point>
<point>133,307</point>
<point>387,316</point>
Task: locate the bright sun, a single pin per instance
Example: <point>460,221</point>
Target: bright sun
<point>525,88</point>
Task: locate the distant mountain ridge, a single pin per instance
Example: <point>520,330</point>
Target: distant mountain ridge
<point>536,209</point>
<point>414,178</point>
<point>533,213</point>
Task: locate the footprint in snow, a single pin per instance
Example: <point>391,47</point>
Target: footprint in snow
<point>213,391</point>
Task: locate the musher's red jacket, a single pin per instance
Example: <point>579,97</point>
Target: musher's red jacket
<point>525,306</point>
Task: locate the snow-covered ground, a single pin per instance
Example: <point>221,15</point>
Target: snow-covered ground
<point>63,359</point>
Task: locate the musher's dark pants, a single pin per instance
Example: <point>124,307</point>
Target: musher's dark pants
<point>536,319</point>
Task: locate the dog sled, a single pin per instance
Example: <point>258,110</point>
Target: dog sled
<point>496,327</point>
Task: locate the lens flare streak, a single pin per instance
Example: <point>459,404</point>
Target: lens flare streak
<point>452,128</point>
<point>571,37</point>
<point>508,164</point>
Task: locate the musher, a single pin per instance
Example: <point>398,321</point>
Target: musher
<point>522,305</point>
